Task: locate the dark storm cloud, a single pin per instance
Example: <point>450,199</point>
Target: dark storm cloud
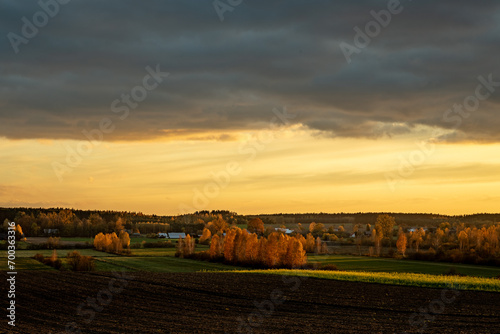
<point>229,75</point>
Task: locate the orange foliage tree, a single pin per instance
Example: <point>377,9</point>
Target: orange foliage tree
<point>277,250</point>
<point>111,243</point>
<point>401,243</point>
<point>215,247</point>
<point>205,237</point>
<point>256,225</point>
<point>185,247</point>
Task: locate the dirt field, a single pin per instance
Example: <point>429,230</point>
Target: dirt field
<point>226,303</point>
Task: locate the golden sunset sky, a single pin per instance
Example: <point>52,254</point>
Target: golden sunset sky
<point>263,112</point>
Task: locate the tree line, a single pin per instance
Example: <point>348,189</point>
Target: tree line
<point>241,247</point>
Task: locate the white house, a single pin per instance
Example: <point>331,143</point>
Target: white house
<point>172,235</point>
<point>50,231</point>
<point>176,235</point>
<point>284,230</point>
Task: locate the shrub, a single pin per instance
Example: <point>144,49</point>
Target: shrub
<point>78,262</point>
<point>52,242</point>
<point>136,245</point>
<point>328,267</point>
<point>39,257</point>
<point>453,272</point>
<point>158,244</point>
<point>52,261</point>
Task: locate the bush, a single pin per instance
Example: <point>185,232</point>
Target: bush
<point>39,257</point>
<point>158,244</point>
<point>78,262</point>
<point>57,264</point>
<point>135,245</point>
<point>52,261</point>
<point>328,267</point>
<point>453,272</point>
<point>52,242</point>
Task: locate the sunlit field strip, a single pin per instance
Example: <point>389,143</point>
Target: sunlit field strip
<point>408,279</point>
<point>377,264</point>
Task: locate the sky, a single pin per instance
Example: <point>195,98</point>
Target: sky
<point>171,107</point>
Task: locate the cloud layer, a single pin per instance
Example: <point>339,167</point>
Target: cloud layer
<point>228,76</point>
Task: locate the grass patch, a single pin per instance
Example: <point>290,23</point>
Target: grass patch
<point>407,279</point>
<point>373,264</point>
<point>153,252</point>
<point>19,245</point>
<point>60,253</point>
<point>24,263</point>
<point>159,264</point>
<point>133,240</point>
<point>162,251</point>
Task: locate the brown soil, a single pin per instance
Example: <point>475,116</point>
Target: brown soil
<point>225,303</point>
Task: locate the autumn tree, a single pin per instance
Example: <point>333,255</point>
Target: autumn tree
<point>316,229</point>
<point>463,239</point>
<point>401,243</point>
<point>35,229</point>
<point>185,247</point>
<point>377,236</point>
<point>205,237</point>
<point>99,241</point>
<point>215,247</point>
<point>252,248</point>
<point>256,225</point>
<point>311,227</point>
<point>300,228</point>
<point>417,238</point>
<point>386,223</point>
<point>119,225</point>
<point>19,233</point>
<point>295,254</point>
<point>271,258</point>
<point>78,262</point>
<point>320,247</point>
<point>110,242</point>
<point>310,243</point>
<point>358,235</point>
<point>125,240</point>
<point>115,243</point>
<point>437,239</point>
<point>229,245</point>
<point>217,225</point>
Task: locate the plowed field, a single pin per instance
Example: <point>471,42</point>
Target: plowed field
<point>65,302</point>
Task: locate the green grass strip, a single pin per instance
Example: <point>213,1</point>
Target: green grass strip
<point>407,279</point>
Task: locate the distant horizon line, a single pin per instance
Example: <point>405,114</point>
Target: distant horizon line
<point>258,214</point>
